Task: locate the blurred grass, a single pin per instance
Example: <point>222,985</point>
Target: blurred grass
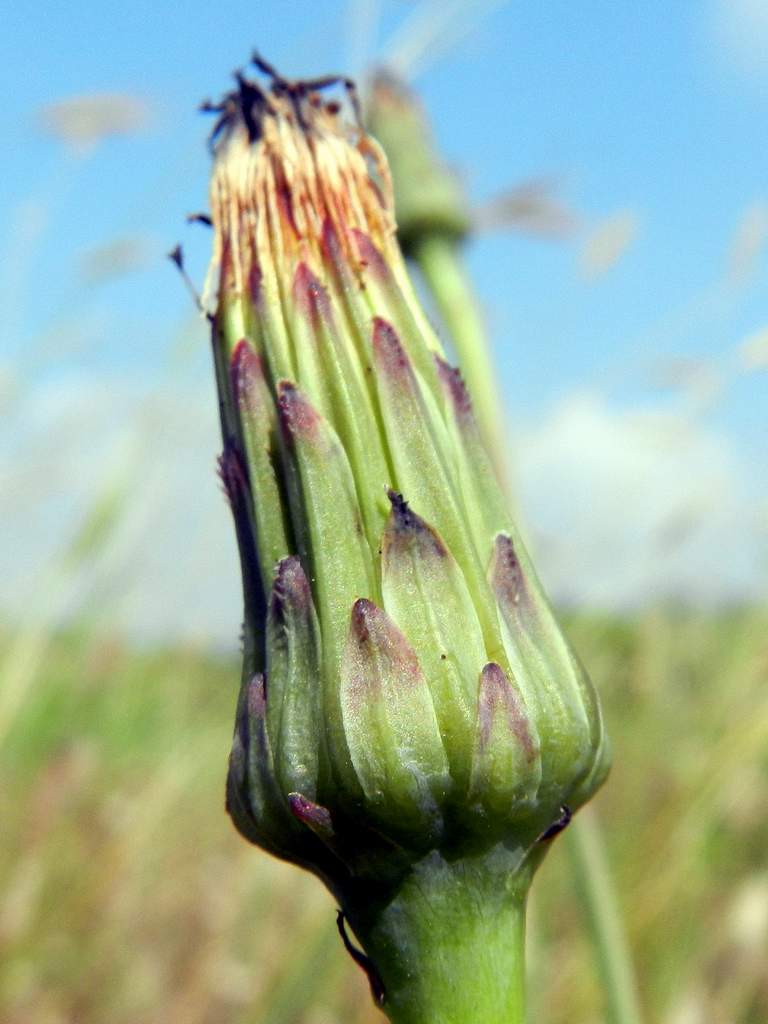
<point>127,896</point>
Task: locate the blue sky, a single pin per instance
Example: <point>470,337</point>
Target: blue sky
<point>655,112</point>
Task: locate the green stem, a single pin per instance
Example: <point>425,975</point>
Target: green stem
<point>596,892</point>
<point>439,259</point>
<point>449,946</point>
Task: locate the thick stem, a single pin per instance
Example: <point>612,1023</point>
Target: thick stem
<point>449,946</point>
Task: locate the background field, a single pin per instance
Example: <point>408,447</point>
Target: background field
<point>128,898</point>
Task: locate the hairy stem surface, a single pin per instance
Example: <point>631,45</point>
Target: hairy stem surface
<point>449,946</point>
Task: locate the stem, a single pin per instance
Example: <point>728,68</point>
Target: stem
<point>439,260</point>
<point>596,892</point>
<point>449,947</point>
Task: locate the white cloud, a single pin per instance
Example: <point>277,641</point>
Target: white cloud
<point>168,566</point>
<point>634,506</point>
<point>740,35</point>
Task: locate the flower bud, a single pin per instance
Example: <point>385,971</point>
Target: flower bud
<point>406,687</point>
<point>429,195</point>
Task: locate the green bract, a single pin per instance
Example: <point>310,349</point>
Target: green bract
<point>407,693</point>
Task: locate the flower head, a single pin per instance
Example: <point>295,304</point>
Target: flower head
<point>406,686</point>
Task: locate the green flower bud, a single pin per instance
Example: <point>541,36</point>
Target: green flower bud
<point>408,698</point>
<point>429,195</point>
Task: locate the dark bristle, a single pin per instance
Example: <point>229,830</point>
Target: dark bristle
<point>266,68</point>
<point>362,961</point>
<point>250,102</point>
<point>176,255</point>
<point>557,826</point>
<point>199,218</point>
<point>252,105</point>
<point>408,535</point>
<point>400,508</point>
<point>404,518</point>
